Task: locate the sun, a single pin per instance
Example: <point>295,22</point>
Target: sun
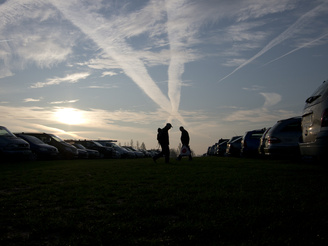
<point>69,116</point>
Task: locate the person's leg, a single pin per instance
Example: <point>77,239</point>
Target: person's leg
<point>166,151</point>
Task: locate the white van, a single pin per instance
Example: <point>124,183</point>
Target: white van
<point>315,124</point>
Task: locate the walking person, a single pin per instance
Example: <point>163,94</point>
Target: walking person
<point>163,140</point>
<point>185,143</point>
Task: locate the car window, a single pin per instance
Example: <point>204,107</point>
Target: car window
<point>317,93</point>
<point>4,132</point>
<point>33,139</point>
<point>256,135</point>
<point>292,127</point>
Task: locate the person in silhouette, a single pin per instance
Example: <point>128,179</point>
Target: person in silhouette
<point>163,140</point>
<point>185,143</point>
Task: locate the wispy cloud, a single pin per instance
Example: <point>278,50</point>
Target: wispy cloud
<point>298,48</point>
<point>265,113</point>
<point>110,37</point>
<point>292,30</point>
<point>71,78</point>
<point>32,99</point>
<point>66,101</point>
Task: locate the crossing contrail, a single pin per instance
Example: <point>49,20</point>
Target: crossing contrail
<point>294,28</point>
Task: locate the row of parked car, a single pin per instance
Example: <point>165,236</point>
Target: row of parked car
<point>34,146</point>
<point>302,136</point>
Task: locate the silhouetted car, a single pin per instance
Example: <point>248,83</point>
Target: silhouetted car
<point>66,150</point>
<point>250,142</point>
<point>283,138</point>
<point>12,147</point>
<point>91,154</point>
<point>222,147</point>
<point>120,150</point>
<point>314,140</point>
<point>262,142</point>
<point>234,146</point>
<point>40,150</point>
<point>104,152</point>
<point>137,153</point>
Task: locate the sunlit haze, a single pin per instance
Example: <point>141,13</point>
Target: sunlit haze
<point>120,69</point>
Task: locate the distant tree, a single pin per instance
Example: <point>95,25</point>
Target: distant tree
<point>173,153</point>
<point>143,146</point>
<point>131,143</point>
<point>138,147</point>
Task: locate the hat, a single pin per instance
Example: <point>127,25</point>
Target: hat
<point>169,125</point>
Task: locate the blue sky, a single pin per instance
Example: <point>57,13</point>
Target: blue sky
<point>120,69</point>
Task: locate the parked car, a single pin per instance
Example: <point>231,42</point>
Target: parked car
<point>40,150</point>
<point>66,150</point>
<point>12,147</point>
<point>314,140</point>
<point>122,151</point>
<point>104,152</point>
<point>137,153</point>
<point>250,142</point>
<point>91,154</point>
<point>82,152</point>
<point>234,146</point>
<point>222,147</point>
<point>262,142</point>
<point>282,139</point>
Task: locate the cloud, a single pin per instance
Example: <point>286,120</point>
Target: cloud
<point>292,30</point>
<point>110,36</point>
<point>33,39</point>
<point>71,78</point>
<point>66,101</point>
<point>261,114</point>
<point>32,100</point>
<point>108,73</point>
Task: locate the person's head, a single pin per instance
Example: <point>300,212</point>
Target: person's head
<point>159,129</point>
<point>169,126</point>
<point>181,128</point>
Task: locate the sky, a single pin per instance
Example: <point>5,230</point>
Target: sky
<point>120,69</point>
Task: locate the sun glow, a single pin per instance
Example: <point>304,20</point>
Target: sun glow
<point>69,116</point>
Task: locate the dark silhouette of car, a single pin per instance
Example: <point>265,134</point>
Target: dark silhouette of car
<point>40,150</point>
<point>262,142</point>
<point>314,142</point>
<point>86,153</point>
<point>234,146</point>
<point>222,147</point>
<point>12,147</point>
<point>66,150</point>
<point>250,142</point>
<point>282,140</point>
<point>104,152</point>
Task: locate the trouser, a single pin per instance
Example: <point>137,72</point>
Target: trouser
<point>165,152</point>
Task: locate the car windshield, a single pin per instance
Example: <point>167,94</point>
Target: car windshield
<point>5,133</point>
<point>56,138</point>
<point>98,144</point>
<point>32,139</point>
<point>80,146</point>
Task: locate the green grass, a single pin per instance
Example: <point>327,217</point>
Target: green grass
<point>209,201</point>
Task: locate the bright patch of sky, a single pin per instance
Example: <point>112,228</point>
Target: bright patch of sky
<point>121,69</point>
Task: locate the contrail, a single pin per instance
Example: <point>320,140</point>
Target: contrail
<point>5,40</point>
<point>177,61</point>
<point>282,37</point>
<point>108,39</point>
<point>296,49</point>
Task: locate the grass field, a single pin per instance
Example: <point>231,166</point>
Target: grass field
<point>208,201</point>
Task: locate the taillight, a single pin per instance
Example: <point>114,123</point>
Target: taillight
<point>324,118</point>
<point>273,140</point>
